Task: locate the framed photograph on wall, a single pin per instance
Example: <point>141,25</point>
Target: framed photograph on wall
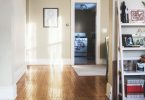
<point>127,40</point>
<point>137,15</point>
<point>50,17</point>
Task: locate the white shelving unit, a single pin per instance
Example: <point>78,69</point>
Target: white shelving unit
<point>133,48</point>
<point>132,24</point>
<point>128,53</point>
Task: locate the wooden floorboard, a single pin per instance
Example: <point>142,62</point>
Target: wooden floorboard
<point>56,82</point>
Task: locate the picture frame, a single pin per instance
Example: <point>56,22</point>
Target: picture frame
<point>140,67</point>
<point>130,65</point>
<point>138,41</point>
<point>50,17</point>
<point>127,40</point>
<point>136,15</point>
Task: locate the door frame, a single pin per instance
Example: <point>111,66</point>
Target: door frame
<point>97,29</point>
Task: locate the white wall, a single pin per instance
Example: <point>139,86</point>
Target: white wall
<point>53,44</point>
<point>5,43</point>
<point>18,31</point>
<point>12,45</point>
<point>48,44</point>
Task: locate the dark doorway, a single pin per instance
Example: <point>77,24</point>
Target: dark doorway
<point>85,33</point>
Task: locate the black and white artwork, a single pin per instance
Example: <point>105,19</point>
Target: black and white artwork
<point>127,40</point>
<point>50,17</point>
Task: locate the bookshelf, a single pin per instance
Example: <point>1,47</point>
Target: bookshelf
<point>131,48</point>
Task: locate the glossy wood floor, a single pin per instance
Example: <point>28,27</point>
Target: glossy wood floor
<point>59,83</point>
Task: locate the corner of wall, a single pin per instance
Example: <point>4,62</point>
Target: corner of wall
<point>19,72</point>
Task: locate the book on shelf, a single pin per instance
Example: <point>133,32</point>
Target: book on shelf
<point>135,95</point>
<point>130,80</point>
<point>134,88</point>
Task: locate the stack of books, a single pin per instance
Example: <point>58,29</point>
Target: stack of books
<point>134,87</point>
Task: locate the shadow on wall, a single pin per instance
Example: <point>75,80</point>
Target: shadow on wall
<point>48,48</point>
<point>103,50</point>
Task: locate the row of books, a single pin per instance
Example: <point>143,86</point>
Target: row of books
<point>135,87</point>
<point>129,80</point>
<point>135,95</point>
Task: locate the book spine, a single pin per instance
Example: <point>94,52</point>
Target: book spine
<point>134,89</point>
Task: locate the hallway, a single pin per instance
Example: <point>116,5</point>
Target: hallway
<point>56,82</point>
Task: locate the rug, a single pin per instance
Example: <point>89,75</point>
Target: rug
<point>90,70</point>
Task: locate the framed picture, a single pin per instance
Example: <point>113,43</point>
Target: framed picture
<point>50,17</point>
<point>127,40</point>
<point>139,41</point>
<point>137,15</point>
<point>140,67</point>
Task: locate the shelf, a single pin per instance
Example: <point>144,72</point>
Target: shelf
<point>133,73</point>
<point>133,48</point>
<point>134,98</point>
<point>132,58</point>
<point>136,36</point>
<point>132,53</point>
<point>132,24</point>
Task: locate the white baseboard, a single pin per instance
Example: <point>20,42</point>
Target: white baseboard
<point>8,92</point>
<point>49,61</point>
<point>19,72</point>
<point>102,61</point>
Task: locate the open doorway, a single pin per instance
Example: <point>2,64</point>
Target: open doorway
<point>97,28</point>
<point>85,33</point>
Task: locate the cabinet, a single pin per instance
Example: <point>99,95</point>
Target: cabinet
<point>131,50</point>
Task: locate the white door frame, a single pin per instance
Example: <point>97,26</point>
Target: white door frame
<point>97,48</point>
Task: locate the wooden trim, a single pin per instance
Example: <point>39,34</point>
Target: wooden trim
<point>114,69</point>
<point>97,47</point>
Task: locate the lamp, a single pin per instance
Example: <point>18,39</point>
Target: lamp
<point>83,7</point>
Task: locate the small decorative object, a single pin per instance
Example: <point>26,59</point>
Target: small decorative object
<point>50,17</point>
<point>141,42</point>
<point>125,67</point>
<point>137,15</point>
<point>142,59</point>
<point>137,42</point>
<point>139,38</point>
<point>143,3</point>
<point>123,13</point>
<point>127,16</point>
<point>128,65</point>
<point>140,67</point>
<point>127,40</point>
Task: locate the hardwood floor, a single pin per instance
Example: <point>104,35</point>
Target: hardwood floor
<point>59,83</point>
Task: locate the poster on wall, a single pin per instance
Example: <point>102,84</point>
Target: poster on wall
<point>50,17</point>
